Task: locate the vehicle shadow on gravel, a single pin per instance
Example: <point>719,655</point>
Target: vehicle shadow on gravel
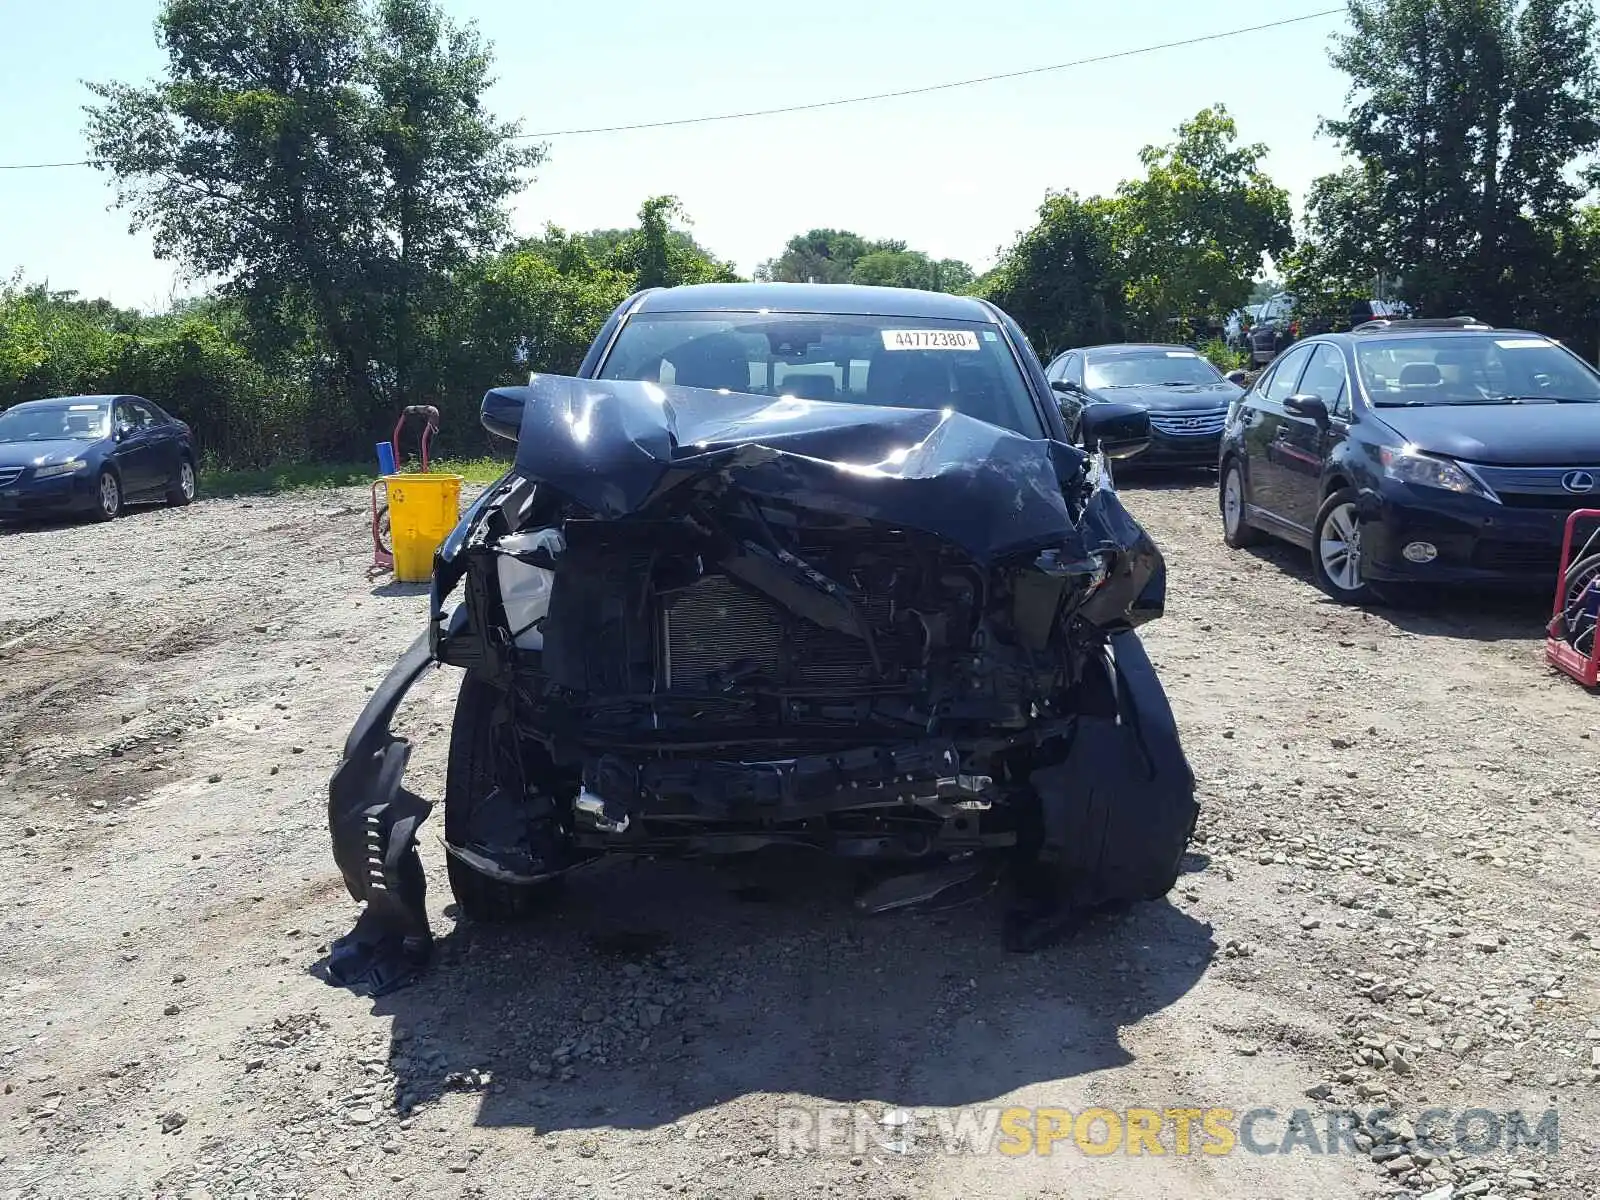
<point>12,527</point>
<point>1471,613</point>
<point>1131,478</point>
<point>659,990</point>
<point>395,588</point>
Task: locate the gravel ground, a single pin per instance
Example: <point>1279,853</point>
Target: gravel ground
<point>1391,903</point>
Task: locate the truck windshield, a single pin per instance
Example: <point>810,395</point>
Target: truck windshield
<point>896,362</point>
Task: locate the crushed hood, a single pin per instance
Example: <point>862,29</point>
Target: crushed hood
<point>615,446</point>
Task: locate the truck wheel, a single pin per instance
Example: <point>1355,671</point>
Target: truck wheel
<point>1114,813</point>
<point>468,793</point>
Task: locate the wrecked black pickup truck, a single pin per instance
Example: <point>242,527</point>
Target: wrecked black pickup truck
<point>785,564</point>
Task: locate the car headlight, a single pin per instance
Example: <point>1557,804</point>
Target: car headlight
<point>55,469</point>
<point>1424,470</point>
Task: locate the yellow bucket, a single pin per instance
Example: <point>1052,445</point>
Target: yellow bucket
<point>423,509</point>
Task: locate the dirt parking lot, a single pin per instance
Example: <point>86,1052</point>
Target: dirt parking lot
<point>1391,903</point>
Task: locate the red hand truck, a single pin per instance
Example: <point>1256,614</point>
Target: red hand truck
<point>382,551</point>
<point>1570,643</point>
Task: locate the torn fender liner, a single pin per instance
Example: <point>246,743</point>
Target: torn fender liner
<point>374,823</point>
<point>614,446</point>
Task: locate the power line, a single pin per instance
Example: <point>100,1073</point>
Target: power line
<point>845,100</point>
<point>937,87</point>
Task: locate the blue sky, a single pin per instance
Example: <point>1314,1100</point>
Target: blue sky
<point>956,173</point>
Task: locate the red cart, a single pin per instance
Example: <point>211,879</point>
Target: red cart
<point>1570,644</point>
<point>382,549</point>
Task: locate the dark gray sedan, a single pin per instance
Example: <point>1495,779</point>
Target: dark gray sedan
<point>1187,398</point>
<point>92,455</point>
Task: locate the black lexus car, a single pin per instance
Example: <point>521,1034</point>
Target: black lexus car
<point>1187,398</point>
<point>1416,452</point>
<point>784,565</point>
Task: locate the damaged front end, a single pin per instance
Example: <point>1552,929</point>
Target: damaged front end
<point>696,621</point>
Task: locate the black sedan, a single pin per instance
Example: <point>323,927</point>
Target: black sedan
<point>1187,398</point>
<point>92,455</point>
<point>1407,452</point>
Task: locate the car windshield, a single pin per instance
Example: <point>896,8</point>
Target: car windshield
<point>1158,368</point>
<point>70,421</point>
<point>897,362</point>
<point>1488,368</point>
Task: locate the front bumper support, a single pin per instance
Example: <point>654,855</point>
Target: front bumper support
<point>373,821</point>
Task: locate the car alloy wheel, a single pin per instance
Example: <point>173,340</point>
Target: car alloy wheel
<point>181,488</point>
<point>1232,502</point>
<point>1339,547</point>
<point>110,495</point>
<point>1236,532</point>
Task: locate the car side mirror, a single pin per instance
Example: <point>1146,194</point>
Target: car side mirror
<point>1116,430</point>
<point>1307,406</point>
<point>1238,378</point>
<point>502,411</point>
<point>1065,386</point>
<point>123,429</point>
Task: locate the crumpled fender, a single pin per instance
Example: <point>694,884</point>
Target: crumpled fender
<point>1117,810</point>
<point>373,821</point>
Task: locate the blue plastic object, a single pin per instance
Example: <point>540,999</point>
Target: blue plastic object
<point>386,463</point>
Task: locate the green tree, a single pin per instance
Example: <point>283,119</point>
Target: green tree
<point>1264,290</point>
<point>839,256</point>
<point>657,255</point>
<point>329,161</point>
<point>602,243</point>
<point>1061,280</point>
<point>820,256</point>
<point>1469,116</point>
<point>1341,255</point>
<point>192,360</point>
<point>1193,231</point>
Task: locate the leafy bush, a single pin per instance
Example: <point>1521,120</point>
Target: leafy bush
<point>1223,356</point>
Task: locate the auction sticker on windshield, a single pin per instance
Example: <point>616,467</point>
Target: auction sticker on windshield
<point>929,339</point>
<point>1522,344</point>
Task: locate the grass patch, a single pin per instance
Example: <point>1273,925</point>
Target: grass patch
<point>291,477</point>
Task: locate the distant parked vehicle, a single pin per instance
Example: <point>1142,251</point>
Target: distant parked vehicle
<point>1363,311</point>
<point>1236,329</point>
<point>1274,329</point>
<point>1280,324</point>
<point>1416,452</point>
<point>1187,398</point>
<point>92,455</point>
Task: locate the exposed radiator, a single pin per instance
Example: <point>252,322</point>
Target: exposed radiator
<point>714,624</point>
<point>717,625</point>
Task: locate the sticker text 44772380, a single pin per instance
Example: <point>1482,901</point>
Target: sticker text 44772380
<point>929,339</point>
